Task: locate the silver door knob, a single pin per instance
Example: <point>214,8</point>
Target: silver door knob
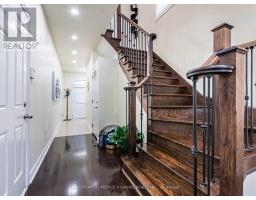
<point>26,116</point>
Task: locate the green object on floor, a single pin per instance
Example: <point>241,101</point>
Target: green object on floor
<point>120,137</point>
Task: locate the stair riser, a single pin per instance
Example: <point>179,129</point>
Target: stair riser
<point>168,177</point>
<point>159,67</point>
<point>136,71</point>
<point>135,180</point>
<point>165,81</point>
<point>176,113</point>
<point>179,128</point>
<point>166,74</point>
<point>167,90</point>
<point>171,100</point>
<point>174,149</point>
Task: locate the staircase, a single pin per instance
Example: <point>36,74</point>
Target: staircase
<point>164,165</point>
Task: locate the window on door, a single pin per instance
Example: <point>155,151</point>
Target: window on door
<point>161,9</point>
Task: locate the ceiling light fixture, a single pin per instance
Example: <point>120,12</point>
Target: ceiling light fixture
<point>73,61</point>
<point>74,52</point>
<point>74,37</point>
<point>74,11</point>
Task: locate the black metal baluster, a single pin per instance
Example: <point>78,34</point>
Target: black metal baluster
<point>126,108</point>
<point>129,41</point>
<point>194,148</point>
<point>247,147</point>
<point>141,118</point>
<point>208,135</point>
<point>147,108</point>
<point>114,25</point>
<point>212,138</point>
<point>142,51</point>
<point>139,52</point>
<point>131,52</point>
<point>126,40</point>
<point>145,43</point>
<point>122,35</point>
<point>251,124</point>
<point>204,127</point>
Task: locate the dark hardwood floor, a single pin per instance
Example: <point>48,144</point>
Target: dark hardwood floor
<point>75,166</point>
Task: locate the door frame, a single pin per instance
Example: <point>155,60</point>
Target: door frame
<point>28,122</point>
<point>72,95</point>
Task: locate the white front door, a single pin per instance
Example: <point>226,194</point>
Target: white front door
<point>13,77</point>
<point>78,100</point>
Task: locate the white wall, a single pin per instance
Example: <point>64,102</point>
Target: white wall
<point>105,51</point>
<point>68,80</point>
<point>47,114</point>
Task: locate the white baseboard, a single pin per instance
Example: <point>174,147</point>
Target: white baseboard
<point>40,159</point>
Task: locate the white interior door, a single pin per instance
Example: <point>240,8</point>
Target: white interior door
<point>78,100</point>
<point>95,104</point>
<point>13,77</point>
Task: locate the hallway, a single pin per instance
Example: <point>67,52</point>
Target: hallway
<point>75,166</point>
<point>73,127</point>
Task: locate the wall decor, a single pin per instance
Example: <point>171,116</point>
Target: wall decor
<point>56,92</point>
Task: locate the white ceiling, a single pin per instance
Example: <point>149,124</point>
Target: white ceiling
<point>88,25</point>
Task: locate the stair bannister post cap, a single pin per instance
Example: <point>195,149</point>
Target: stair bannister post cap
<point>224,25</point>
<point>153,36</point>
<point>231,49</point>
<point>132,83</point>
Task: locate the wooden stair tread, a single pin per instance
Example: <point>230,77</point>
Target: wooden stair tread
<point>167,85</point>
<point>174,106</point>
<point>162,70</point>
<point>155,70</point>
<point>165,77</point>
<point>145,177</point>
<point>182,170</point>
<point>182,95</point>
<point>184,140</point>
<point>175,120</point>
<point>179,139</point>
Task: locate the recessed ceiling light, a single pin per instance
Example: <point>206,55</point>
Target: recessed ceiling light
<point>74,61</point>
<point>74,11</point>
<point>74,37</point>
<point>74,52</point>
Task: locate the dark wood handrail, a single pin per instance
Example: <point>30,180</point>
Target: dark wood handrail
<point>134,24</point>
<point>248,44</point>
<point>209,70</point>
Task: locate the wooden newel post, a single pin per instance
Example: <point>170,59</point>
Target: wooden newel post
<point>132,120</point>
<point>228,106</point>
<point>230,121</point>
<point>222,37</point>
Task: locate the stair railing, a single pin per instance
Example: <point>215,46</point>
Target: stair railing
<point>250,83</point>
<point>137,49</point>
<point>227,124</point>
<point>206,73</point>
<point>131,90</point>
